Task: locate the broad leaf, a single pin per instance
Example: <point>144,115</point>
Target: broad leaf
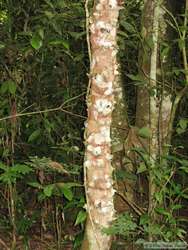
<point>36,42</point>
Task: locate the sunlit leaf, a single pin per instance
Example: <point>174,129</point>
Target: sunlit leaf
<point>48,190</point>
<point>67,192</point>
<point>36,42</point>
<point>34,135</point>
<point>81,217</point>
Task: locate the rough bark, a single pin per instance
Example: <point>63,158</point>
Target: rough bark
<point>98,155</point>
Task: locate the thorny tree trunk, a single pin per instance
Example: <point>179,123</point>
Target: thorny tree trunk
<point>154,100</point>
<point>97,163</point>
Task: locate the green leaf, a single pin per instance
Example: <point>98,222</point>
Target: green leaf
<point>3,166</point>
<point>40,32</point>
<point>48,190</point>
<point>142,168</point>
<point>77,35</point>
<point>49,14</point>
<point>176,206</point>
<point>159,196</point>
<point>128,27</point>
<point>12,87</point>
<point>67,192</point>
<point>11,174</point>
<point>183,123</point>
<point>144,219</point>
<point>181,44</point>
<point>165,52</point>
<point>144,132</point>
<point>138,79</point>
<point>180,131</point>
<point>62,42</point>
<point>81,217</point>
<point>34,135</point>
<point>163,211</point>
<point>36,42</point>
<point>49,3</point>
<point>4,87</point>
<point>185,169</point>
<point>35,185</point>
<point>122,33</point>
<point>124,225</point>
<point>21,169</point>
<point>2,45</point>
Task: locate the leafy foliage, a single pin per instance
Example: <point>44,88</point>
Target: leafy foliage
<point>124,225</point>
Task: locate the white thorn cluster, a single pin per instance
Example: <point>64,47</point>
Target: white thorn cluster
<point>109,91</point>
<point>109,156</point>
<point>102,137</point>
<point>97,203</point>
<point>103,106</point>
<point>94,150</point>
<point>103,25</point>
<point>104,42</point>
<point>87,163</point>
<point>99,79</point>
<point>99,7</point>
<point>108,184</point>
<point>105,210</point>
<point>113,3</point>
<point>105,132</point>
<point>85,124</point>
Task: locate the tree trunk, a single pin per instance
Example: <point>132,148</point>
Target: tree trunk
<point>154,99</point>
<point>98,155</point>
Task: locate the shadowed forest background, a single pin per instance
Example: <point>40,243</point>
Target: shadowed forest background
<point>44,74</point>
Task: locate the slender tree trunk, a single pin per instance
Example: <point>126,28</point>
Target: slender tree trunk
<point>98,155</point>
<point>154,100</point>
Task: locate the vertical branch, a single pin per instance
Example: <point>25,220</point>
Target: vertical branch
<point>181,94</point>
<point>88,43</point>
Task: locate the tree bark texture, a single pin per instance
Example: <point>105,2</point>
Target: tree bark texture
<point>98,155</point>
<point>154,99</point>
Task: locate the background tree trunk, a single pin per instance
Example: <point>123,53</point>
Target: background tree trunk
<point>154,99</point>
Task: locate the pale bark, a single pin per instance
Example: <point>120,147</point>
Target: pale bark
<point>98,155</point>
<point>154,103</point>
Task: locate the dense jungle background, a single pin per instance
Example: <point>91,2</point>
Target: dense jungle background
<point>44,71</point>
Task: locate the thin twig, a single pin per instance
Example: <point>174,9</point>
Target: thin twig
<point>60,108</point>
<point>182,93</point>
<point>4,244</point>
<point>88,44</point>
